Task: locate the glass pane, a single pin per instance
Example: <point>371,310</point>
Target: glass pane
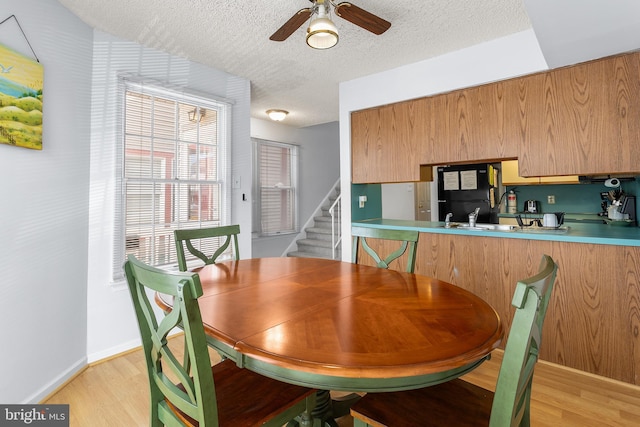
<point>163,204</point>
<point>138,114</point>
<point>140,200</point>
<point>209,128</point>
<point>208,163</point>
<point>204,202</point>
<point>137,160</point>
<point>164,118</point>
<point>182,207</point>
<point>186,161</point>
<point>189,117</point>
<point>163,157</point>
<point>277,210</point>
<point>275,166</point>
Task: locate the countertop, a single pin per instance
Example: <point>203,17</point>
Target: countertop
<point>599,234</point>
<point>568,216</point>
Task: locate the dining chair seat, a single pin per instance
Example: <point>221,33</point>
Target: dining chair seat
<point>459,403</point>
<point>200,241</point>
<point>184,388</point>
<point>408,243</point>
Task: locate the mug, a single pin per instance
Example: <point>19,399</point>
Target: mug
<point>549,220</point>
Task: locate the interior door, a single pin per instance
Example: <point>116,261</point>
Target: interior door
<point>422,194</point>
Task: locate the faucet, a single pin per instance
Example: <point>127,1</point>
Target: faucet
<point>447,220</point>
<point>473,216</point>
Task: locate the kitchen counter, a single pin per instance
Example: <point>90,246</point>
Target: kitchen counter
<point>568,217</point>
<point>578,232</point>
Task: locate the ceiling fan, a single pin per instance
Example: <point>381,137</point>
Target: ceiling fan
<point>322,9</point>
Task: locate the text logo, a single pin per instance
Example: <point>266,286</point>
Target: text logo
<point>34,415</point>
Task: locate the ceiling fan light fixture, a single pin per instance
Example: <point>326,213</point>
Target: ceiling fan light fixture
<point>322,32</point>
<point>277,115</point>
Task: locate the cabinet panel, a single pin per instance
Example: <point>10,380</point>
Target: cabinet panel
<point>473,125</point>
<point>592,322</point>
<point>384,143</point>
<point>511,176</point>
<point>590,119</point>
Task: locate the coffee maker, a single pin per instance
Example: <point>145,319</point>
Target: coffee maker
<point>604,204</point>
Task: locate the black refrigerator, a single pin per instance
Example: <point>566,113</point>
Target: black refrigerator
<point>463,188</point>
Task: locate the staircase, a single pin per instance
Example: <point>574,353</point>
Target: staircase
<point>320,237</point>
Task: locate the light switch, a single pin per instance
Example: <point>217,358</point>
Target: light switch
<point>236,182</point>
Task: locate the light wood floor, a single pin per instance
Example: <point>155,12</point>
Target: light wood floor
<point>115,393</point>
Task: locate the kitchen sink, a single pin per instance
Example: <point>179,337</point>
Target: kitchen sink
<point>483,227</point>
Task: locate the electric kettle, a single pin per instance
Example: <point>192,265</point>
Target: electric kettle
<point>553,220</point>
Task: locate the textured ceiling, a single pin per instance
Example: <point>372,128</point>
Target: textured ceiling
<point>233,36</point>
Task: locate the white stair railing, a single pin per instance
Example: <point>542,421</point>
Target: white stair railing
<point>335,211</point>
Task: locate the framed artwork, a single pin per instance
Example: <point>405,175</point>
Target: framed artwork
<point>21,82</point>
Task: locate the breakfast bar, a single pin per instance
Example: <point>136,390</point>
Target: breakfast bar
<point>593,323</point>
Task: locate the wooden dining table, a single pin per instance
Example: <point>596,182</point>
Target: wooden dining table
<point>335,325</point>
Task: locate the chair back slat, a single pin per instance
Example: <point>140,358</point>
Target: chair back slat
<point>408,239</point>
<point>188,386</point>
<point>513,390</point>
<point>206,238</point>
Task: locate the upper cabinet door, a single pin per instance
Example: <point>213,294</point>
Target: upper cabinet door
<point>473,125</point>
<point>589,121</point>
<point>385,143</point>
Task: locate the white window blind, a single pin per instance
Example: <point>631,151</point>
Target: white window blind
<point>277,175</point>
<point>174,171</point>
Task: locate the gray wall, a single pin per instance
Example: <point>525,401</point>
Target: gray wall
<point>319,169</point>
<point>44,210</point>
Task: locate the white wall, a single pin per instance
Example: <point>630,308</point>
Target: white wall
<point>44,202</point>
<point>398,201</point>
<point>319,169</point>
<point>111,322</point>
<point>499,59</point>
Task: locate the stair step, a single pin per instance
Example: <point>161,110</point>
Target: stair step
<point>319,233</point>
<point>325,221</point>
<point>318,242</point>
<point>314,243</point>
<point>302,254</point>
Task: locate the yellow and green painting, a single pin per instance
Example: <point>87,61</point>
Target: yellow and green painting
<point>21,81</point>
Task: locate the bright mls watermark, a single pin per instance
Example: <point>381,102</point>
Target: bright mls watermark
<point>34,415</point>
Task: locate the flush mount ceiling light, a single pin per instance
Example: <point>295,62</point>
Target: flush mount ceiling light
<point>322,32</point>
<point>277,115</point>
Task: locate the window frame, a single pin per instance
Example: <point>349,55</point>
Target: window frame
<point>294,187</point>
<point>223,109</point>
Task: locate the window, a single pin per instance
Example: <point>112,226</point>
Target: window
<point>174,171</point>
<point>276,173</point>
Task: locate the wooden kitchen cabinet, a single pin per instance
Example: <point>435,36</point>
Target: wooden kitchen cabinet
<point>472,125</point>
<point>511,176</point>
<point>385,142</point>
<point>589,121</point>
<point>578,120</point>
<point>592,322</point>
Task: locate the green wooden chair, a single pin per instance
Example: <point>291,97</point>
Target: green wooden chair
<point>459,403</point>
<point>408,238</point>
<point>193,392</point>
<point>208,238</point>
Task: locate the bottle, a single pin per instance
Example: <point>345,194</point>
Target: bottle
<point>512,203</point>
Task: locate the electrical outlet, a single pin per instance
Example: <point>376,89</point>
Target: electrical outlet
<point>551,199</point>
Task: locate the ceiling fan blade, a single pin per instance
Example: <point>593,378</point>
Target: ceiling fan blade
<point>362,18</point>
<point>291,25</point>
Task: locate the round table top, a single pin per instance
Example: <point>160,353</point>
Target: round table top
<point>339,325</point>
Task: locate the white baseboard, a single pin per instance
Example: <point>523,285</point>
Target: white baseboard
<point>54,384</point>
<point>112,351</point>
